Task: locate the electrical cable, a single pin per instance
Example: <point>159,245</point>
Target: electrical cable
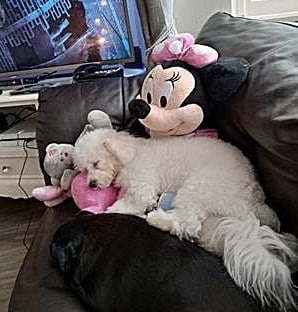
<point>18,118</point>
<point>27,230</point>
<point>25,147</point>
<point>23,168</point>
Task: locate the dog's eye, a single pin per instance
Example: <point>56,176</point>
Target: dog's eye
<point>96,164</point>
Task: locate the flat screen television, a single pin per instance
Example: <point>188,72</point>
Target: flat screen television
<point>60,35</point>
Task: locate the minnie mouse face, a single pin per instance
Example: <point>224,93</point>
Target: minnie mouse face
<point>167,88</point>
<point>163,96</point>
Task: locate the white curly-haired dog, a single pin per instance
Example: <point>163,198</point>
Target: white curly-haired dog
<point>219,203</point>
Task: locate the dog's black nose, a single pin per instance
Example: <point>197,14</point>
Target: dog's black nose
<point>93,183</point>
<point>139,108</point>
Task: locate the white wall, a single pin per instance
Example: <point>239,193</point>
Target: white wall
<point>190,15</point>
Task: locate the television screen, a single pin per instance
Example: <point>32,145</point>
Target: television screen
<point>45,35</point>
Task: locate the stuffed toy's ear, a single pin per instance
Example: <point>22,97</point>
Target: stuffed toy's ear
<point>223,78</point>
<point>99,119</point>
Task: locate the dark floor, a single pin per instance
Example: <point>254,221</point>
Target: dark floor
<point>19,219</point>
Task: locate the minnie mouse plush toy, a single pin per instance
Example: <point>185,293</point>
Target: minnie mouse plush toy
<point>188,87</point>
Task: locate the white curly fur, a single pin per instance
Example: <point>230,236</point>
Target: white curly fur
<point>219,203</point>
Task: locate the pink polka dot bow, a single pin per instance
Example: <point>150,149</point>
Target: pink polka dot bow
<point>183,47</point>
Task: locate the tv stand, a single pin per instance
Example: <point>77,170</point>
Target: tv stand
<point>37,86</point>
<point>27,89</point>
<point>19,163</point>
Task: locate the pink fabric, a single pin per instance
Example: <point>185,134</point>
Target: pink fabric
<point>211,133</point>
<point>95,200</point>
<point>56,201</point>
<point>182,47</point>
<point>48,192</point>
<point>51,195</point>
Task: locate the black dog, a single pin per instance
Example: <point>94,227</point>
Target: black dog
<point>118,263</point>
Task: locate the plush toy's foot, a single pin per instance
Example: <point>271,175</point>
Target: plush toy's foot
<point>50,195</point>
<point>45,193</point>
<point>56,201</point>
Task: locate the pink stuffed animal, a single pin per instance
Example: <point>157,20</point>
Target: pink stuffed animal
<point>188,88</point>
<point>89,199</point>
<point>50,195</point>
<point>67,182</point>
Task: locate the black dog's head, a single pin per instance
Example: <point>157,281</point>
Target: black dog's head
<point>66,246</point>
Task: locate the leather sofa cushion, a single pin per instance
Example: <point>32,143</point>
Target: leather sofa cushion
<point>262,118</point>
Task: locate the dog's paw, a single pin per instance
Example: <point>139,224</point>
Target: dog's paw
<point>125,206</point>
<point>160,219</point>
<point>151,207</point>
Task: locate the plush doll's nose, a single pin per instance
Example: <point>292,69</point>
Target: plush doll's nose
<point>139,108</point>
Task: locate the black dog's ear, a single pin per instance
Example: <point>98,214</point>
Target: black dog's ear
<point>65,248</point>
<point>223,78</point>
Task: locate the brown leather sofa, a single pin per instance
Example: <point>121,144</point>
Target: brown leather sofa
<point>262,119</point>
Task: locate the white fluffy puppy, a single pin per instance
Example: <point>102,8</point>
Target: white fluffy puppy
<point>219,203</point>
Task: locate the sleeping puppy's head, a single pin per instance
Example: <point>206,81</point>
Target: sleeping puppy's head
<point>102,153</point>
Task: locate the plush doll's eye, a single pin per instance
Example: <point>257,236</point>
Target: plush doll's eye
<point>65,154</point>
<point>149,98</point>
<point>163,101</point>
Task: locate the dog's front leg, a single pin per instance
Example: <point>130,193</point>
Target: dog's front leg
<point>177,223</point>
<point>127,205</point>
<point>144,195</point>
<point>139,199</point>
<point>162,220</point>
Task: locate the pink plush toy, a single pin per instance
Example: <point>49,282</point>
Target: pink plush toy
<point>50,195</point>
<point>188,88</point>
<point>67,182</point>
<point>89,199</point>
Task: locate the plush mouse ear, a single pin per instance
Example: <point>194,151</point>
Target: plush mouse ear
<point>223,78</point>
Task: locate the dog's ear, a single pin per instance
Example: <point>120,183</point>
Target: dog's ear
<point>121,149</point>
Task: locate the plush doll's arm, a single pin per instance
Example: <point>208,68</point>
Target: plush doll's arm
<point>67,178</point>
<point>87,128</point>
<point>96,119</point>
<point>99,119</point>
<point>55,181</point>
